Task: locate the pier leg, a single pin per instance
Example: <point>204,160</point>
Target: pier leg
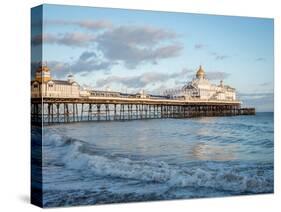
<point>73,113</point>
<point>128,112</point>
<point>49,112</point>
<point>58,112</point>
<point>98,111</point>
<point>82,107</point>
<point>67,113</point>
<point>77,115</point>
<point>90,112</point>
<point>114,112</point>
<point>120,112</point>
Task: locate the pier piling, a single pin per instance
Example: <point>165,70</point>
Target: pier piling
<point>52,110</point>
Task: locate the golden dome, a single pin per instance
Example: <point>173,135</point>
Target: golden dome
<point>200,73</point>
<point>43,68</point>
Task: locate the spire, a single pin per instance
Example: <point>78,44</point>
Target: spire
<point>221,83</point>
<point>200,73</point>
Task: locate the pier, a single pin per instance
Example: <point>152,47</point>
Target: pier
<point>67,110</point>
<point>64,101</point>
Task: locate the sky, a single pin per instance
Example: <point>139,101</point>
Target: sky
<point>134,50</point>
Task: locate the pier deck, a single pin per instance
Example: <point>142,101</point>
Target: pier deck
<point>53,110</point>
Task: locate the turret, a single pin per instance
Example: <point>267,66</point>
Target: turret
<point>70,78</point>
<point>221,83</point>
<point>200,73</point>
<point>43,73</point>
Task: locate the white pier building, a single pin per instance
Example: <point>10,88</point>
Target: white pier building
<point>44,86</point>
<point>201,88</point>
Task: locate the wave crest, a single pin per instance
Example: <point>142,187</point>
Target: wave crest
<point>223,176</point>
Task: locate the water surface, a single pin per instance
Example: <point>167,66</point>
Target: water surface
<point>124,161</point>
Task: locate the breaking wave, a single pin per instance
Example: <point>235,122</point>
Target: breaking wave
<point>236,177</point>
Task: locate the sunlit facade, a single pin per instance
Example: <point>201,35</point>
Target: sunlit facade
<point>44,86</point>
<point>201,88</point>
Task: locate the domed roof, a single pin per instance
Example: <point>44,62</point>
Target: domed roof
<point>200,73</point>
<point>43,68</point>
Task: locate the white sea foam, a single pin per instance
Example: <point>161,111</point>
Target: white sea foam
<point>156,160</point>
<point>220,176</point>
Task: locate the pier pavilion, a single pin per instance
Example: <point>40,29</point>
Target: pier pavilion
<point>200,88</point>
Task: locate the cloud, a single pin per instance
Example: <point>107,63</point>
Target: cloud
<point>58,69</point>
<point>139,81</point>
<point>199,46</point>
<point>260,59</point>
<point>130,45</point>
<point>221,57</point>
<point>86,63</point>
<point>218,56</point>
<point>76,39</point>
<point>183,73</point>
<point>166,51</point>
<point>266,84</point>
<point>88,24</point>
<point>261,101</point>
<point>255,95</point>
<point>86,55</point>
<point>142,80</point>
<point>68,39</point>
<point>134,45</point>
<point>180,82</point>
<point>91,65</point>
<point>138,35</point>
<point>217,75</point>
<point>40,39</point>
<point>160,90</point>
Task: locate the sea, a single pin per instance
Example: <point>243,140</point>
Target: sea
<point>158,159</point>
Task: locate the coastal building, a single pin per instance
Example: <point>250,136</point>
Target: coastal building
<point>200,88</point>
<point>44,86</point>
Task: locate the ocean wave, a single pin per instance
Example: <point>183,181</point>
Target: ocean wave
<point>223,176</point>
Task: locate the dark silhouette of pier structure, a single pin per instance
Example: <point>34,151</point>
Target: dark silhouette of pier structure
<point>67,110</point>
